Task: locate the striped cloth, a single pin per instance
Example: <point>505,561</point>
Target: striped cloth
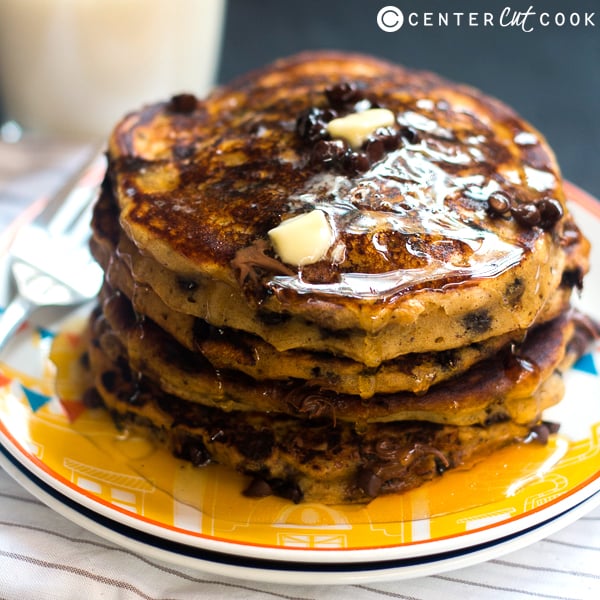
<point>43,556</point>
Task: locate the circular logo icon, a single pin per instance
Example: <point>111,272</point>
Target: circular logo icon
<point>390,19</point>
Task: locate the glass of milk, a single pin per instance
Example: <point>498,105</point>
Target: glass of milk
<point>72,68</point>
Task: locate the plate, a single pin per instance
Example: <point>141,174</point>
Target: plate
<point>125,489</point>
<point>295,573</point>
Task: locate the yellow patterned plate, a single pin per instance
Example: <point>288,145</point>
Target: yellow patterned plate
<point>126,489</point>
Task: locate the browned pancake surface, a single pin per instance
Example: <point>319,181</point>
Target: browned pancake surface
<point>199,189</point>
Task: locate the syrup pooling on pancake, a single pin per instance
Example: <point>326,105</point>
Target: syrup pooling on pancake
<point>434,187</point>
<point>396,235</point>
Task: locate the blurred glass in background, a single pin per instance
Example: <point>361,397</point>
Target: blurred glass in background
<point>72,68</point>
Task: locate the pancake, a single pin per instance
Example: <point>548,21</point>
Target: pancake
<point>313,462</point>
<point>516,384</point>
<point>335,275</point>
<point>432,247</point>
<point>225,348</point>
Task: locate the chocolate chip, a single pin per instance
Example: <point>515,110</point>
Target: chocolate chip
<point>328,152</point>
<point>543,430</point>
<point>387,449</point>
<point>390,138</point>
<point>183,103</point>
<point>369,482</point>
<point>355,162</point>
<point>498,203</point>
<point>374,149</point>
<point>135,398</point>
<point>440,465</point>
<point>84,360</point>
<point>194,451</point>
<point>513,292</point>
<point>311,125</point>
<point>198,456</point>
<point>92,399</point>
<point>551,211</point>
<point>570,234</point>
<point>258,488</point>
<point>447,359</point>
<point>290,491</point>
<point>257,446</point>
<point>572,278</point>
<point>410,134</point>
<point>272,318</point>
<point>552,426</point>
<point>109,381</point>
<point>343,94</point>
<point>478,321</point>
<point>526,214</point>
<point>183,152</point>
<point>541,433</point>
<point>187,285</point>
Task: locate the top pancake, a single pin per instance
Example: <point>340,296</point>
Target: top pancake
<point>200,183</point>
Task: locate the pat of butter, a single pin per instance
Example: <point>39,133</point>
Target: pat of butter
<point>356,127</point>
<point>302,240</point>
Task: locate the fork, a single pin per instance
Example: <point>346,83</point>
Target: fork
<point>49,259</point>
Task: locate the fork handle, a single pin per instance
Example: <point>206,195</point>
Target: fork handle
<point>13,316</point>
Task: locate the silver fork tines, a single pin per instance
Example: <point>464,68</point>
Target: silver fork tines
<point>49,259</point>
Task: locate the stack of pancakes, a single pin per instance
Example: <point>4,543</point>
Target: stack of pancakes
<point>430,330</point>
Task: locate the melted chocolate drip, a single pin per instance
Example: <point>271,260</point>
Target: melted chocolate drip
<point>252,259</point>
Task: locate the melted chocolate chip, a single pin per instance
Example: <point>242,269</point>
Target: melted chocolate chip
<point>314,405</point>
<point>183,103</point>
<point>369,482</point>
<point>258,488</point>
<point>543,430</point>
<point>328,152</point>
<point>440,465</point>
<point>570,235</point>
<point>586,332</point>
<point>552,426</point>
<point>387,449</point>
<point>311,125</point>
<point>251,260</point>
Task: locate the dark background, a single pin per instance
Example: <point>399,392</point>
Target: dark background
<point>551,76</point>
